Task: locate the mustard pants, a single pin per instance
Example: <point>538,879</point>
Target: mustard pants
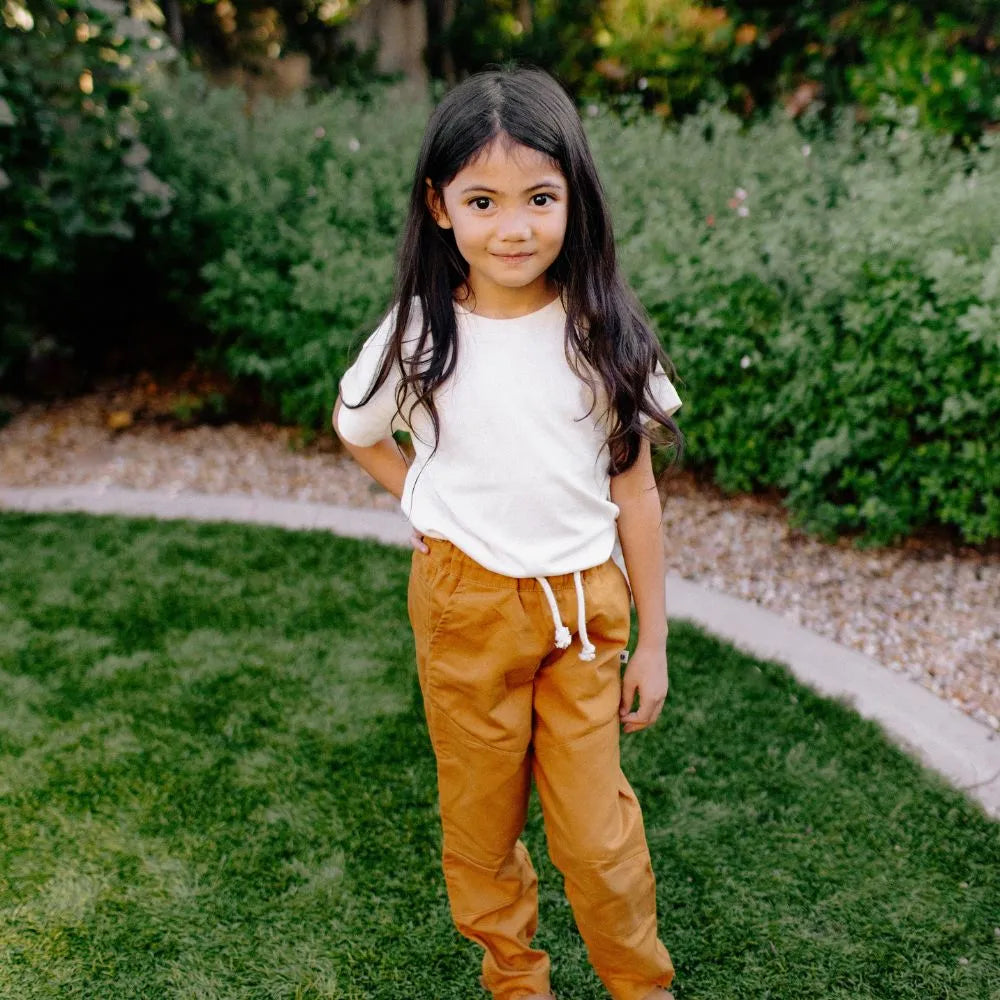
<point>504,705</point>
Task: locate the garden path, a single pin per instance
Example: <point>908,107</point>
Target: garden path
<point>852,623</point>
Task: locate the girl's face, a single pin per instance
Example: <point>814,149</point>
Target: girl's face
<point>508,210</point>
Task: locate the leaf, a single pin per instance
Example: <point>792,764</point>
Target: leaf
<point>113,8</point>
<point>137,156</point>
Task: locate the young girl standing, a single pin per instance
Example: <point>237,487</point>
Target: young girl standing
<point>528,377</point>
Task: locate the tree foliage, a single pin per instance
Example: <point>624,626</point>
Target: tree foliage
<point>251,35</point>
<point>74,170</point>
<point>667,56</point>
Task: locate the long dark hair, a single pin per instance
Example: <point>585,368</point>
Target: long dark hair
<point>608,334</point>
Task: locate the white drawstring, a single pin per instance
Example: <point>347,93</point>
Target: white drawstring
<point>563,635</point>
<point>587,650</point>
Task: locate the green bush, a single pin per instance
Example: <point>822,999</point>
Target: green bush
<point>833,307</point>
<point>953,87</point>
<point>669,56</point>
<point>832,301</point>
<point>292,212</point>
<point>75,174</point>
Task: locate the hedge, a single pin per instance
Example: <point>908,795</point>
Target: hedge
<point>831,297</point>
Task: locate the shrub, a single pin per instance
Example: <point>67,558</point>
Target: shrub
<point>935,70</point>
<point>831,298</point>
<point>292,211</point>
<point>833,307</point>
<point>75,174</point>
<point>669,56</point>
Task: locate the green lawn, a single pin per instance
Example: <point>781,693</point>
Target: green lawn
<point>215,782</point>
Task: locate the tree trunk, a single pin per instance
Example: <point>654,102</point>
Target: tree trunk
<point>440,64</point>
<point>398,28</point>
<point>437,50</point>
<point>175,24</point>
<point>526,14</point>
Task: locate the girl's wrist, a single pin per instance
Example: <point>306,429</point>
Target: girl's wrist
<point>653,642</point>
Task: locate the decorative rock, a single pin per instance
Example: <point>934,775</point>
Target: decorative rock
<point>929,614</point>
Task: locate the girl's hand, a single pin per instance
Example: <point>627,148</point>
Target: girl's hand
<point>417,541</point>
<point>645,675</point>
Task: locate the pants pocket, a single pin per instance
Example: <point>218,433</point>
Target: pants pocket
<point>431,591</point>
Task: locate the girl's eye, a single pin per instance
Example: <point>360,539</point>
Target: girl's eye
<point>546,199</point>
<point>481,203</point>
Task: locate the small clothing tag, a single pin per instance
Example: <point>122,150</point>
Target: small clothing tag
<point>623,656</point>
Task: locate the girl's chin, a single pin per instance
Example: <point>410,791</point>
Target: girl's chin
<point>514,274</point>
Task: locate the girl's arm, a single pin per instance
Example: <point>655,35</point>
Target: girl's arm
<point>383,461</point>
<point>639,528</point>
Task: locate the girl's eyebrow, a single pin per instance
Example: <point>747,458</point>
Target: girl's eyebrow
<point>534,187</point>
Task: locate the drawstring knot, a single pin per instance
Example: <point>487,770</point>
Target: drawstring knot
<point>563,637</point>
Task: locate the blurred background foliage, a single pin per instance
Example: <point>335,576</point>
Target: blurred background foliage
<point>807,198</point>
<point>666,56</point>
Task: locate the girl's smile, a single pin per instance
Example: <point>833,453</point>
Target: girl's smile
<point>508,210</point>
<point>514,258</point>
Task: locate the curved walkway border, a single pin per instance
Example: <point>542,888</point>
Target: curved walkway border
<point>964,751</point>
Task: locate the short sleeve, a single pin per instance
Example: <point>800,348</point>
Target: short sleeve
<point>368,424</point>
<point>663,391</point>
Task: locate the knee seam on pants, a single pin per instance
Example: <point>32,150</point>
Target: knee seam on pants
<point>491,867</point>
<point>601,863</point>
<point>464,733</point>
<point>471,918</point>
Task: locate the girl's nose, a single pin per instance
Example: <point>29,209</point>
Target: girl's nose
<point>513,226</point>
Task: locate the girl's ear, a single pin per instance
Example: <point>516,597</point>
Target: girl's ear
<point>435,205</point>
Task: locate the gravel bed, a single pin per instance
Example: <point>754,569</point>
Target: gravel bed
<point>923,610</point>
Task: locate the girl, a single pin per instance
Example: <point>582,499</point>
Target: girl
<point>528,377</point>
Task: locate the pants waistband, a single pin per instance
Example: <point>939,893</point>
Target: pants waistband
<point>457,563</point>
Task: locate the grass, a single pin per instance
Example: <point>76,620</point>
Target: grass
<point>215,783</point>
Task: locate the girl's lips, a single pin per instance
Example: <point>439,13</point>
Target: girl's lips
<point>513,256</point>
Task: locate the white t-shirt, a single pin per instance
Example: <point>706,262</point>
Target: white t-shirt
<point>519,480</point>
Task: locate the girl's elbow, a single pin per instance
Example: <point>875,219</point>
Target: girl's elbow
<point>337,422</point>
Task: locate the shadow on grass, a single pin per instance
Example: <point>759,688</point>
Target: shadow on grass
<point>215,782</point>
